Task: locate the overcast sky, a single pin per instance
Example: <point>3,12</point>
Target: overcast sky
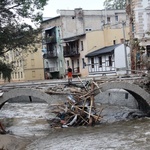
<point>54,5</point>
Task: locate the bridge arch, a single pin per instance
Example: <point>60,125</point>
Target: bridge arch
<point>141,96</point>
<point>30,92</point>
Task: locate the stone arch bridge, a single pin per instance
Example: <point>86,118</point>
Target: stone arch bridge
<point>142,97</point>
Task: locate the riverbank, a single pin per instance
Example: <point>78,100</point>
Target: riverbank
<point>12,142</point>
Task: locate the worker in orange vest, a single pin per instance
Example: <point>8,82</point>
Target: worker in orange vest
<point>69,75</point>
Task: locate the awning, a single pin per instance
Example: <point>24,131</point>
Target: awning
<point>104,50</point>
<point>70,40</point>
<point>73,38</point>
<point>49,28</point>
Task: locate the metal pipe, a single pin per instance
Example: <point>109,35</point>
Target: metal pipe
<point>125,49</point>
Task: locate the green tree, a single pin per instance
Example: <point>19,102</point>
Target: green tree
<point>16,31</point>
<point>115,4</point>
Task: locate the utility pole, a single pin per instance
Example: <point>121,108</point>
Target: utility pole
<point>125,49</point>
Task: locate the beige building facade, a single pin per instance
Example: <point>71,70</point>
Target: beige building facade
<point>27,66</point>
<point>89,42</point>
<point>33,66</point>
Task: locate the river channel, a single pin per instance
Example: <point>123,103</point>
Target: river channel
<point>29,120</point>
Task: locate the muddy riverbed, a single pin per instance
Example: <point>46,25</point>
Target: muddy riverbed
<point>29,127</point>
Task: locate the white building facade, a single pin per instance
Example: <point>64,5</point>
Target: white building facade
<point>110,60</point>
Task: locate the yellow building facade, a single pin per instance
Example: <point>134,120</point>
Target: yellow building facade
<point>33,67</point>
<point>95,40</point>
<point>27,65</point>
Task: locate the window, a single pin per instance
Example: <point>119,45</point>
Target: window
<point>67,63</point>
<point>116,18</point>
<point>148,50</point>
<point>47,65</point>
<point>110,60</point>
<point>82,46</point>
<point>21,75</point>
<point>33,74</point>
<point>83,63</point>
<point>100,61</point>
<point>15,75</point>
<point>18,74</point>
<point>88,29</point>
<point>92,62</point>
<point>114,42</point>
<point>108,19</point>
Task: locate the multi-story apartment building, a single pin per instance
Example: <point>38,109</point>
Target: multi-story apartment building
<point>52,53</point>
<point>139,14</point>
<point>73,26</point>
<point>27,65</point>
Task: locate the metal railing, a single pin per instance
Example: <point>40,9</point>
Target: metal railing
<point>50,54</point>
<point>52,69</point>
<point>71,52</point>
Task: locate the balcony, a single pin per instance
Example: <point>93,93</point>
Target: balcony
<point>49,39</point>
<point>52,69</point>
<point>71,53</point>
<point>50,54</point>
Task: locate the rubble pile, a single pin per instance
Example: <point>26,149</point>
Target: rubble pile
<point>79,108</point>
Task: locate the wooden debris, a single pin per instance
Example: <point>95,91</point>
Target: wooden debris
<point>78,110</point>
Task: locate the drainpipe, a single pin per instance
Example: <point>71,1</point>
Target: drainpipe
<point>125,49</point>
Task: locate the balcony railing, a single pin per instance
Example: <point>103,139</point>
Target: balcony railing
<point>51,54</point>
<point>71,52</point>
<point>52,69</point>
<point>50,39</point>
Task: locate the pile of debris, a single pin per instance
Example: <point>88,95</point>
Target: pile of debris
<point>79,109</point>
